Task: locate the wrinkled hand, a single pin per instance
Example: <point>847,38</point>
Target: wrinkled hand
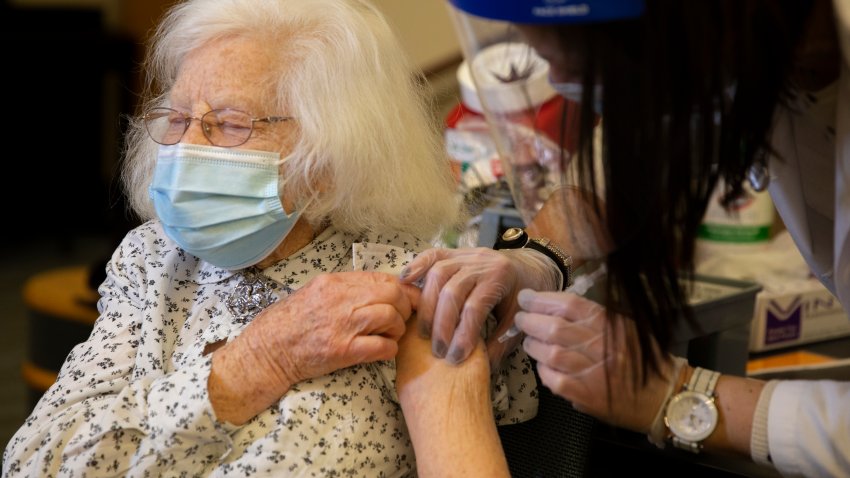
<point>462,286</point>
<point>335,321</point>
<point>567,335</point>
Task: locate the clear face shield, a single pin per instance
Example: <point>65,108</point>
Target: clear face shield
<point>536,144</point>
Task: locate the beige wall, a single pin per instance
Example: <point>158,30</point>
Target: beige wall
<point>423,26</point>
<point>425,30</point>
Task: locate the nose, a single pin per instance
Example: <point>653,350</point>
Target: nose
<point>195,133</point>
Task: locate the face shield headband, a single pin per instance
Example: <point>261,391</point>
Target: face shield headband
<point>552,11</point>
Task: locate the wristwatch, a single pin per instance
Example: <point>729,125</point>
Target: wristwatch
<point>691,415</point>
<point>517,238</point>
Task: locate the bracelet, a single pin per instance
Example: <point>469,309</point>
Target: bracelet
<point>658,430</point>
<point>517,238</point>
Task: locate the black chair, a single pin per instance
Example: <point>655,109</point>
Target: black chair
<point>554,444</point>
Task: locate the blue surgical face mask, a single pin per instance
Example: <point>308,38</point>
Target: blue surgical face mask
<point>574,92</point>
<point>220,204</point>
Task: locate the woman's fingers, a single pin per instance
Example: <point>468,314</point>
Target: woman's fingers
<point>557,330</point>
<point>428,272</point>
<point>371,348</point>
<point>567,360</point>
<point>379,319</point>
<point>459,289</point>
<point>318,329</point>
<point>565,334</point>
<point>462,287</point>
<point>420,265</point>
<point>464,303</point>
<point>571,307</point>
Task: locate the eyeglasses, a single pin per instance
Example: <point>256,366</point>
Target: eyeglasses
<point>225,127</point>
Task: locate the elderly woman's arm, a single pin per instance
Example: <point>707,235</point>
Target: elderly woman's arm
<point>448,411</point>
<point>115,403</point>
<point>333,322</point>
<point>125,399</point>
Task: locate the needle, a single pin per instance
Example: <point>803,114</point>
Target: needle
<point>580,286</point>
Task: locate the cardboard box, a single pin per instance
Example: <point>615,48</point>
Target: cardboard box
<point>808,313</point>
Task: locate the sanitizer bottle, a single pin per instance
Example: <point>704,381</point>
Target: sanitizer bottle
<point>744,226</point>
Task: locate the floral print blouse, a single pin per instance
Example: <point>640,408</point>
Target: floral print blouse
<point>132,399</point>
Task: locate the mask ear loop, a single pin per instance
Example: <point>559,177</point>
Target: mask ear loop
<point>281,181</point>
<point>280,176</point>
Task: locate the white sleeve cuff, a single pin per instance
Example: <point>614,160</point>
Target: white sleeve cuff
<point>809,427</point>
<point>759,449</point>
<point>181,412</point>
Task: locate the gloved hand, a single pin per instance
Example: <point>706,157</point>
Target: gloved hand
<point>592,361</point>
<point>460,287</point>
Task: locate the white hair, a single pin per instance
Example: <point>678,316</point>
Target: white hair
<point>363,115</point>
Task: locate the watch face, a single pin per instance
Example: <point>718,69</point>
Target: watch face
<point>691,416</point>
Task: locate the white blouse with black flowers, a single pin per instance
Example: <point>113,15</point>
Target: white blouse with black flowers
<point>132,400</point>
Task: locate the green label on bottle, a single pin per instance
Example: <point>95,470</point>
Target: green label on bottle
<point>734,233</point>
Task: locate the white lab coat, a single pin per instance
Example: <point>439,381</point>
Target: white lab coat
<point>808,422</point>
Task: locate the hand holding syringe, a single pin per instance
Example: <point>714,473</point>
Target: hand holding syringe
<point>580,286</point>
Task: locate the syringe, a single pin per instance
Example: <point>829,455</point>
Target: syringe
<point>580,286</point>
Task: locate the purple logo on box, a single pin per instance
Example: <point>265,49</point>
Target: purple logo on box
<point>783,323</point>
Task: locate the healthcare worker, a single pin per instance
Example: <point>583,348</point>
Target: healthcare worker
<point>689,93</point>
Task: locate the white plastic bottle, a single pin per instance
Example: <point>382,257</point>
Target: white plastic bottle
<point>745,227</point>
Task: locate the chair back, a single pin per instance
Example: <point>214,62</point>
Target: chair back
<point>554,444</point>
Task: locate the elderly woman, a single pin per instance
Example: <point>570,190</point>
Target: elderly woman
<point>289,170</point>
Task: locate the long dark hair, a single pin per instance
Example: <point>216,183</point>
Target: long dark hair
<point>690,90</point>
